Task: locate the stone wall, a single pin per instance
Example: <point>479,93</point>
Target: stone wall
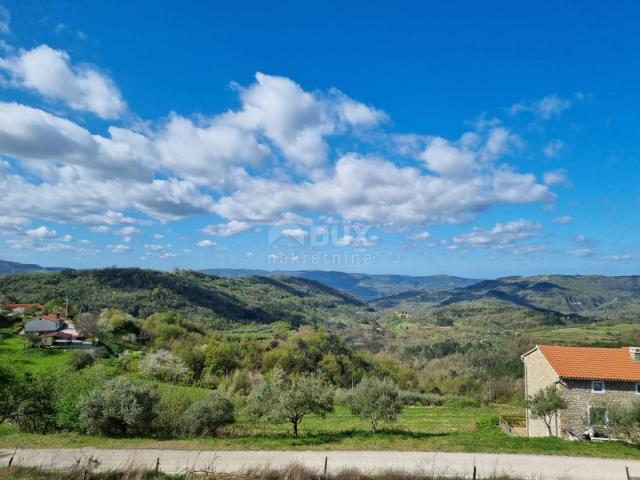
<point>538,375</point>
<point>580,397</point>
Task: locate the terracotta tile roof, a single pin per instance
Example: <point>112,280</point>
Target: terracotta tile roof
<point>589,363</point>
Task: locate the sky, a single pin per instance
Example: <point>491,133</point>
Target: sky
<point>480,139</point>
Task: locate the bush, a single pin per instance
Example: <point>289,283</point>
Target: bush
<point>172,405</point>
<point>206,416</point>
<point>165,366</point>
<point>82,359</point>
<point>119,408</point>
<point>12,389</point>
<point>36,412</point>
<point>377,400</point>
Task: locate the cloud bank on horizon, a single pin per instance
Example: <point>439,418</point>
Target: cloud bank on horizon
<point>285,161</point>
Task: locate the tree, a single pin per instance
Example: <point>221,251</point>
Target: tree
<point>119,408</point>
<point>206,416</point>
<point>375,399</point>
<point>545,405</point>
<point>624,420</point>
<point>164,365</point>
<point>12,390</point>
<point>281,399</point>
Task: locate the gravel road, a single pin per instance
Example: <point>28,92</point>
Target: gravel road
<point>450,464</point>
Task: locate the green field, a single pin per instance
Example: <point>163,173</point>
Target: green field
<point>13,351</point>
<point>419,428</point>
<point>600,335</point>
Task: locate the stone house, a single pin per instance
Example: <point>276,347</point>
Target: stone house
<point>589,378</point>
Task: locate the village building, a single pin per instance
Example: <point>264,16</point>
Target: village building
<point>590,379</point>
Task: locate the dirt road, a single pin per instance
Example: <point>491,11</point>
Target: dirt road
<point>178,461</point>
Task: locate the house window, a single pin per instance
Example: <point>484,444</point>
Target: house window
<point>637,388</point>
<point>598,417</point>
<point>597,386</point>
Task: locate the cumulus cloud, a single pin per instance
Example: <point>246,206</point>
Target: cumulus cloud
<point>183,166</point>
<point>504,236</point>
<point>119,248</point>
<point>206,243</point>
<point>234,227</point>
<point>51,73</point>
<point>374,190</point>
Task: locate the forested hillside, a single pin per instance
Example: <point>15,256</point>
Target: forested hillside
<point>143,292</point>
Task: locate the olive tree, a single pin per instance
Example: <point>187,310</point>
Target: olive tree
<point>376,400</point>
<point>624,420</point>
<point>206,416</point>
<point>119,407</point>
<point>545,404</point>
<point>281,399</point>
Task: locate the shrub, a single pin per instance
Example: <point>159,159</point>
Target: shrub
<point>164,365</point>
<point>12,390</point>
<point>377,400</point>
<point>119,408</point>
<point>82,359</point>
<point>172,405</point>
<point>36,412</point>
<point>206,416</point>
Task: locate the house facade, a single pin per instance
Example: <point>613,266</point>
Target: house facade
<point>590,379</point>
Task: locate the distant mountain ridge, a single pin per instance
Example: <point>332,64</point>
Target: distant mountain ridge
<point>595,296</point>
<point>16,267</point>
<point>360,285</point>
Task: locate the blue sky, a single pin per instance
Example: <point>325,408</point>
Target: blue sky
<point>472,138</point>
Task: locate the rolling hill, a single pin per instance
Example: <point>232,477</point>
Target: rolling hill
<point>597,296</point>
<point>142,292</point>
<point>360,285</point>
<point>15,267</point>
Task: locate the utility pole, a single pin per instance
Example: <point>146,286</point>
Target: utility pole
<point>66,311</point>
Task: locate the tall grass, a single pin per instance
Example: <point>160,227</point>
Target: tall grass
<point>291,472</point>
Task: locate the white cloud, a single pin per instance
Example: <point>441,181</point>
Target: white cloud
<point>552,149</point>
<point>50,73</point>
<point>234,227</point>
<point>41,232</point>
<point>100,229</point>
<point>545,108</point>
<point>158,236</point>
<point>296,233</point>
<point>420,236</point>
<point>128,231</point>
<point>206,243</point>
<point>119,248</point>
<point>563,220</point>
<point>504,236</point>
<point>374,190</point>
<point>556,177</point>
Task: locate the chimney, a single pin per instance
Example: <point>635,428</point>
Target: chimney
<point>634,353</point>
